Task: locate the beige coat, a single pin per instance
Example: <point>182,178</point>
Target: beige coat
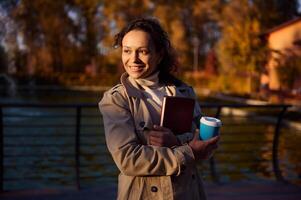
<point>146,171</point>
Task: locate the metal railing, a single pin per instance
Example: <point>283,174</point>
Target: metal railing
<point>78,116</point>
<point>279,117</point>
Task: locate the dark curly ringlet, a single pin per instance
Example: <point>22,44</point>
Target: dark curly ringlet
<point>169,62</point>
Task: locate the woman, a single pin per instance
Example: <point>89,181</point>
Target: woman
<point>153,162</point>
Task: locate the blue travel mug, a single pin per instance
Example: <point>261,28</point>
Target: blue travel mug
<point>209,127</point>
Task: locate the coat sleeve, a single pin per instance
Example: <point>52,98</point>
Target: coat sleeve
<point>131,157</point>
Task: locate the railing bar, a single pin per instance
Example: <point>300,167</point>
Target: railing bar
<point>54,144</point>
<point>69,178</point>
<point>45,105</point>
<point>37,155</point>
<point>243,172</point>
<point>246,133</point>
<point>269,151</point>
<point>38,116</point>
<point>49,125</point>
<point>245,106</point>
<point>94,177</point>
<point>1,151</point>
<point>32,166</point>
<point>37,126</point>
<point>276,168</point>
<point>37,166</point>
<point>41,178</point>
<point>90,125</point>
<point>97,156</point>
<point>241,161</point>
<point>70,135</point>
<point>39,136</point>
<point>77,146</point>
<point>243,152</point>
<point>38,145</point>
<point>243,124</point>
<point>214,174</point>
<point>48,116</point>
<point>245,142</point>
<point>41,145</point>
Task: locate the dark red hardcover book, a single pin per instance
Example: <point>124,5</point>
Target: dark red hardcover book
<point>177,114</point>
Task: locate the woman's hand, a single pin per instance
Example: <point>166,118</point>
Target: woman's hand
<point>162,137</point>
<point>203,149</point>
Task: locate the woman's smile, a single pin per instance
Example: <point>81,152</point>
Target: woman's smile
<point>139,56</point>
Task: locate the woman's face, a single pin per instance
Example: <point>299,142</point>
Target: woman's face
<point>139,56</point>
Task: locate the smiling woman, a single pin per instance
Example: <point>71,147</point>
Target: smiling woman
<point>139,55</point>
<point>154,163</point>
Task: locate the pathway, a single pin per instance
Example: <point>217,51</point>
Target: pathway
<point>243,190</point>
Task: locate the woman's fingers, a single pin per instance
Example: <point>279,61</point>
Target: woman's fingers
<point>157,141</point>
<point>161,128</point>
<point>213,140</point>
<point>155,134</point>
<point>204,149</point>
<point>162,138</point>
<point>196,134</point>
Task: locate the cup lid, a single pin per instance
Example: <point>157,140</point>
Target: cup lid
<point>211,121</point>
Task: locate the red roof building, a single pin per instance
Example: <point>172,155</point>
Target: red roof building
<point>284,41</point>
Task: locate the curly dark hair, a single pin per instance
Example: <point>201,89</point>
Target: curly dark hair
<point>169,62</point>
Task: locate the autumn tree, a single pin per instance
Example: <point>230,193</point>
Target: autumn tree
<point>192,26</point>
<point>58,35</point>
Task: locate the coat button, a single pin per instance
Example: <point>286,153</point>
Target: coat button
<point>154,189</point>
<point>141,124</point>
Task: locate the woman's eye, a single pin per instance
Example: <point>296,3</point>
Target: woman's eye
<point>144,52</point>
<point>127,51</point>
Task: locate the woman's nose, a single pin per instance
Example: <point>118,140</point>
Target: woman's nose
<point>135,57</point>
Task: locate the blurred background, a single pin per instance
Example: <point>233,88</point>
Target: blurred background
<point>234,47</point>
<point>231,51</point>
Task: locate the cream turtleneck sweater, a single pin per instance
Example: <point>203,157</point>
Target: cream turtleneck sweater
<point>152,88</point>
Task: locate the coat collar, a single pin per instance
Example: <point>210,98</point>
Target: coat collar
<point>135,90</point>
<point>131,87</point>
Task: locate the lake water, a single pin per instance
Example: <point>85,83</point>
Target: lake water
<point>39,145</point>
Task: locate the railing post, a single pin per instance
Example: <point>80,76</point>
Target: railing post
<point>276,167</point>
<point>1,151</point>
<point>214,175</point>
<point>77,146</point>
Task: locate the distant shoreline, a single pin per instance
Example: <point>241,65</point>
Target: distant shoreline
<point>58,87</point>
